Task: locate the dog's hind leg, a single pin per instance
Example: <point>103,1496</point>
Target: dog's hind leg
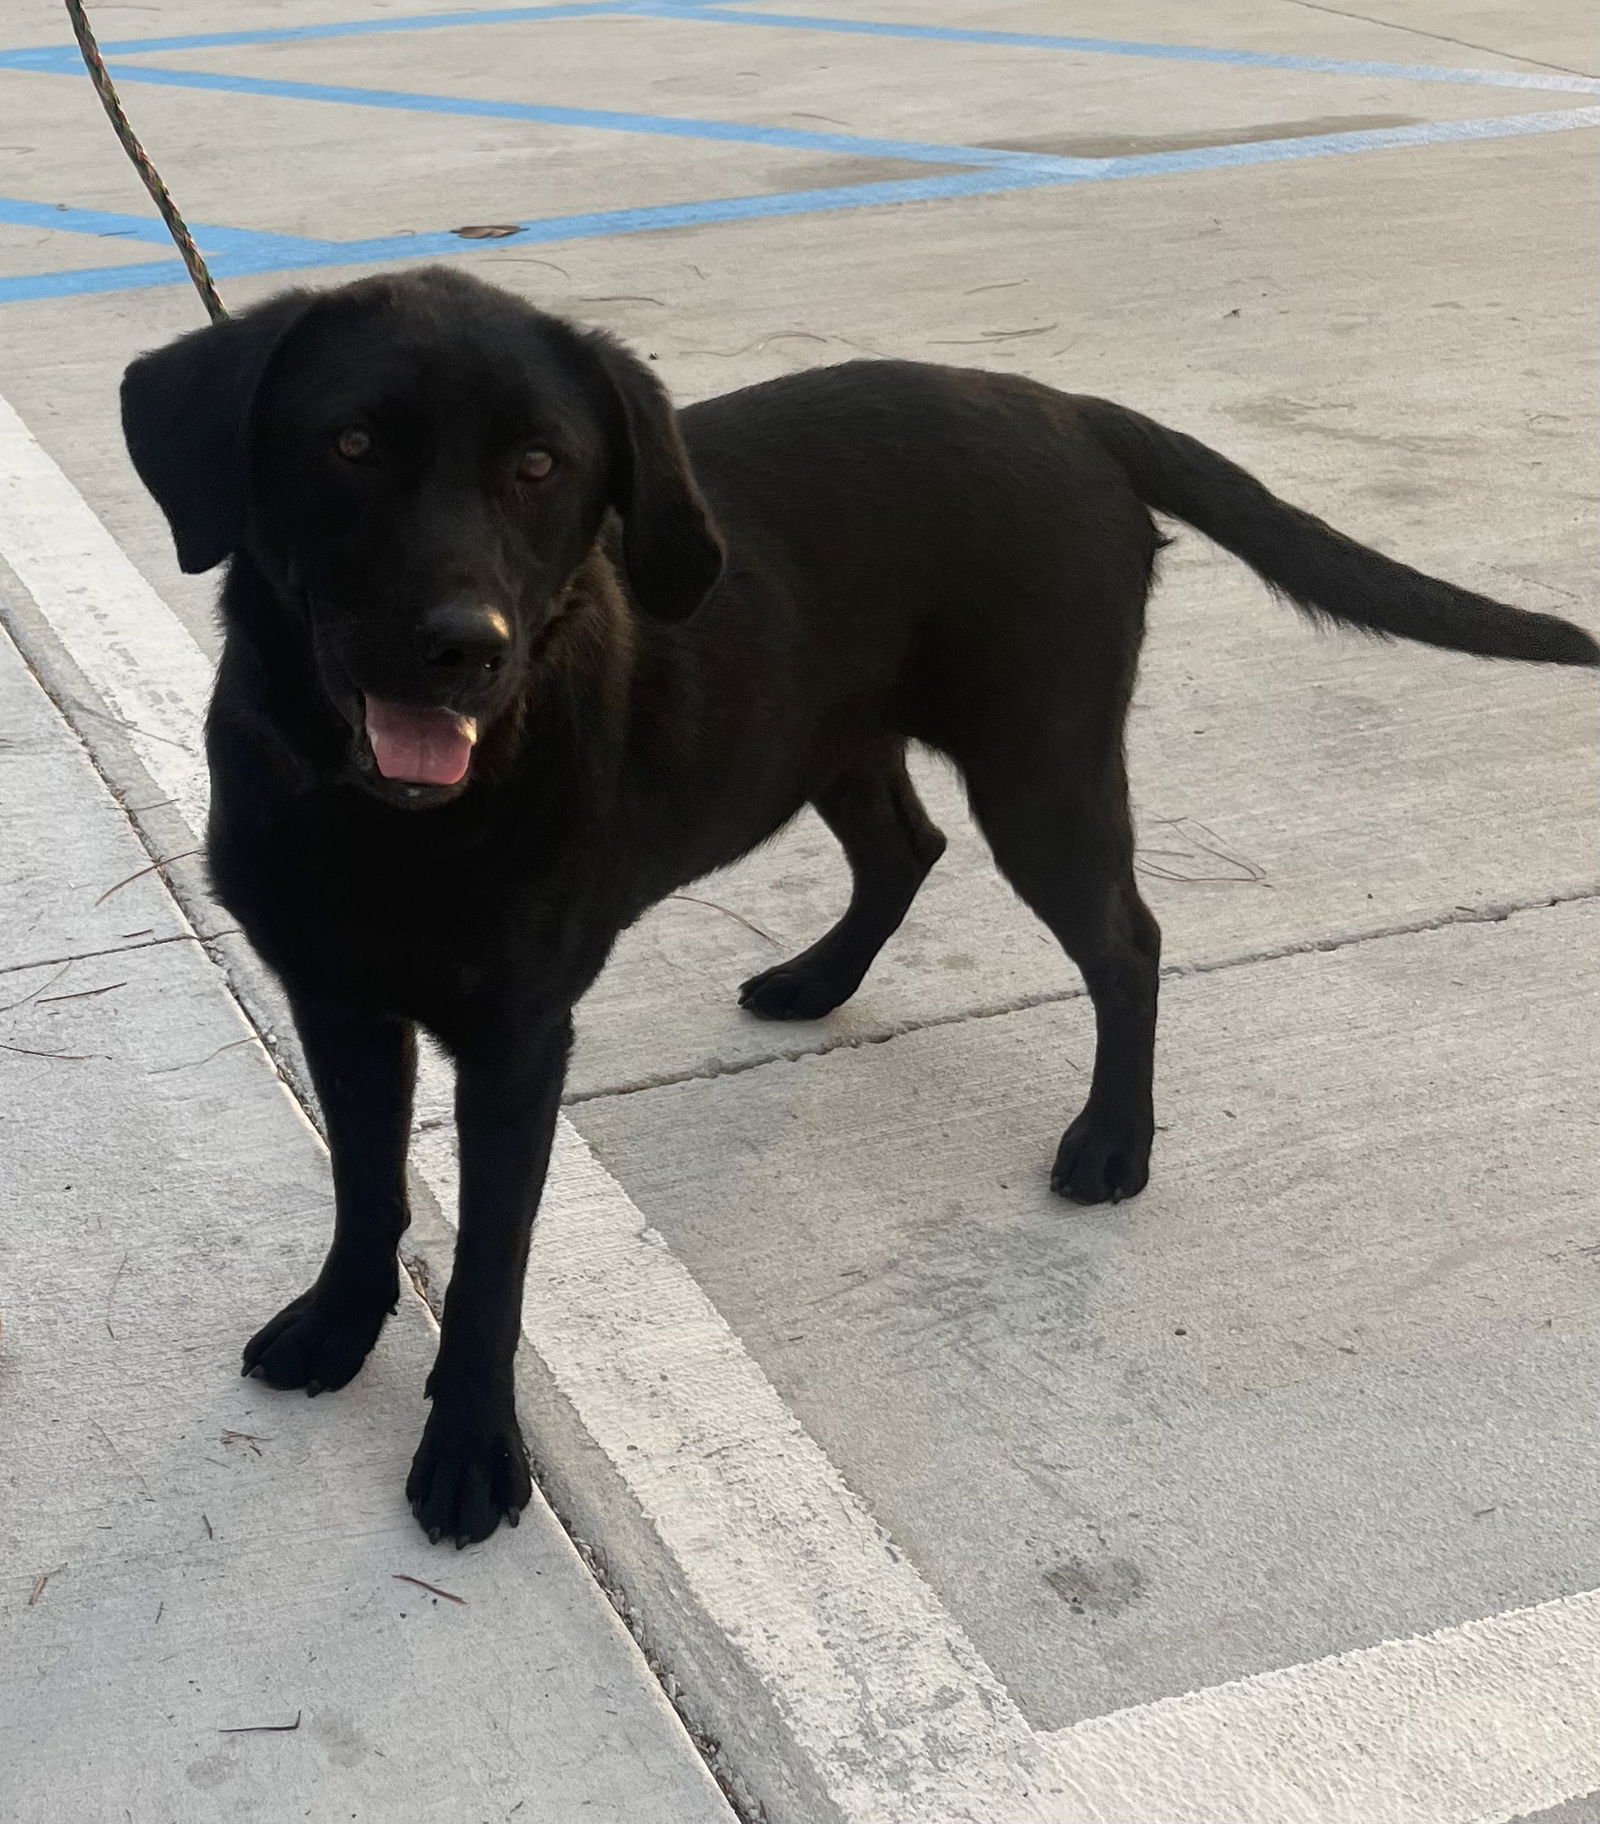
<point>890,844</point>
<point>1061,833</point>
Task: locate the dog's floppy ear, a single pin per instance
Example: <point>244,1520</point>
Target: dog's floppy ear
<point>186,420</point>
<point>671,548</point>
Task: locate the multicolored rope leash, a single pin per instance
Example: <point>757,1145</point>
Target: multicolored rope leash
<point>193,259</point>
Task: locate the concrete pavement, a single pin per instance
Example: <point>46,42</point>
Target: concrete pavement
<point>941,1500</point>
<point>214,1599</point>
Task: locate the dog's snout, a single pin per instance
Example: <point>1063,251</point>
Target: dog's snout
<point>460,640</point>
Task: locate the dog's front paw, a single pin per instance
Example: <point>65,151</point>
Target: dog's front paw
<point>313,1344</point>
<point>1102,1161</point>
<point>469,1473</point>
<point>793,991</point>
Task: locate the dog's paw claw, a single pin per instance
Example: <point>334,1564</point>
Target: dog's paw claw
<point>308,1346</point>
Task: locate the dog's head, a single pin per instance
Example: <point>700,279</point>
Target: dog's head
<point>419,465</point>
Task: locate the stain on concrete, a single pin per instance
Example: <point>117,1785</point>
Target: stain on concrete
<point>1136,145</point>
<point>213,1770</point>
<point>827,173</point>
<point>1106,1588</point>
<point>1320,420</point>
<point>1405,491</point>
<point>339,1738</point>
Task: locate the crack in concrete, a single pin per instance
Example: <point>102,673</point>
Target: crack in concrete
<point>1493,913</point>
<point>1416,31</point>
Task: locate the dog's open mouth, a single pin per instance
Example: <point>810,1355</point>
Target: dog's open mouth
<point>420,746</point>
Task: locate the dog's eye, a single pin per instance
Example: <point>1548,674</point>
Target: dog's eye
<point>535,465</point>
<point>353,445</point>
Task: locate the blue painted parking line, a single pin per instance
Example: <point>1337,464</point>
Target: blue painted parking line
<point>106,224</point>
<point>18,213</point>
<point>1113,47</point>
<point>82,281</point>
<point>670,126</point>
<point>241,252</point>
<point>1331,145</point>
<point>673,126</point>
<point>980,170</point>
<point>240,259</point>
<point>58,57</point>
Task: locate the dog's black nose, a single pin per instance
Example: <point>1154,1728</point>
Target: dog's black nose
<point>460,641</point>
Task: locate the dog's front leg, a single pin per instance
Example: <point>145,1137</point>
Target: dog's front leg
<point>471,1468</point>
<point>364,1068</point>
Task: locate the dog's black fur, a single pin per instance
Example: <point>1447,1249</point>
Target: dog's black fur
<point>694,625</point>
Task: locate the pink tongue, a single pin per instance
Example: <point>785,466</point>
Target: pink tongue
<point>419,746</point>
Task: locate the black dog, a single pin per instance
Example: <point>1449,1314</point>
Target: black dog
<point>513,650</point>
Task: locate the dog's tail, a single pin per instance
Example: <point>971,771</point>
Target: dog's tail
<point>1326,575</point>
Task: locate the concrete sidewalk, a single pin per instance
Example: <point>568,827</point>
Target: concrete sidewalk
<point>206,1605</point>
